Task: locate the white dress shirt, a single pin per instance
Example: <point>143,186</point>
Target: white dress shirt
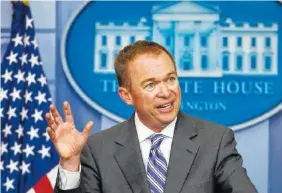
<point>144,133</point>
<point>70,180</point>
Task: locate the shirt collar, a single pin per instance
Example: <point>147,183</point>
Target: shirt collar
<point>144,132</point>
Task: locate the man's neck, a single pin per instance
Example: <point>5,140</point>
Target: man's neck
<point>155,128</point>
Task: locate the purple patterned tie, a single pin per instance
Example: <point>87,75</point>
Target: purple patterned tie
<point>157,165</point>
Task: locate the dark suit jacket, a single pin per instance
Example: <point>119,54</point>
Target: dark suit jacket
<point>203,159</point>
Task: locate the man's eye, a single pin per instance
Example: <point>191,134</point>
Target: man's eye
<point>171,79</point>
<point>149,86</point>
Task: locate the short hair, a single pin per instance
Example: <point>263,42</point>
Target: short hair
<point>131,52</point>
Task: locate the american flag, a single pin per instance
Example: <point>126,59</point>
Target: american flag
<point>28,157</point>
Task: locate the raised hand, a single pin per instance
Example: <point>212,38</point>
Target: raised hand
<point>68,141</point>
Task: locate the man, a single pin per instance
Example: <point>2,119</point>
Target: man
<point>159,149</point>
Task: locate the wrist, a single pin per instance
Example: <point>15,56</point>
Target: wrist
<point>71,164</point>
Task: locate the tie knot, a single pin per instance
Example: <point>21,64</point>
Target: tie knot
<point>156,140</point>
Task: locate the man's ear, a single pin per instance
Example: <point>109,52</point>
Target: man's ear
<point>125,95</point>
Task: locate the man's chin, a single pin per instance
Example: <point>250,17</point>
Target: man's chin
<point>166,120</point>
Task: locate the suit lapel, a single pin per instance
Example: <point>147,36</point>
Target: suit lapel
<point>129,158</point>
<point>183,153</point>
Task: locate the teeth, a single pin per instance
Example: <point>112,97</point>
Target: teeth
<point>165,106</point>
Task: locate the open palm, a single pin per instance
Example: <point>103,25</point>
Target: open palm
<point>68,141</point>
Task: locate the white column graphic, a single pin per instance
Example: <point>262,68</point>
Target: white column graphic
<point>274,57</point>
<point>196,56</point>
<point>260,60</point>
<point>246,50</point>
<point>232,48</point>
<point>110,53</point>
<point>97,53</point>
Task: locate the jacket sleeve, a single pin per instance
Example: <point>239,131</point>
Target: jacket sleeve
<point>231,176</point>
<point>90,181</point>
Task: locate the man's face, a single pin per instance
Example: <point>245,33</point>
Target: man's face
<point>155,90</point>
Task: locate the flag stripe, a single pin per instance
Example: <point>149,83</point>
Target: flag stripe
<point>52,175</point>
<point>27,154</point>
<point>43,185</point>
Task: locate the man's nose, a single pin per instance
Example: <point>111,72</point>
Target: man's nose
<point>163,90</point>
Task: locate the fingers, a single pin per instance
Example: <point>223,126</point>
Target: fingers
<point>55,114</point>
<point>68,113</point>
<point>87,129</point>
<point>51,134</point>
<point>51,122</point>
